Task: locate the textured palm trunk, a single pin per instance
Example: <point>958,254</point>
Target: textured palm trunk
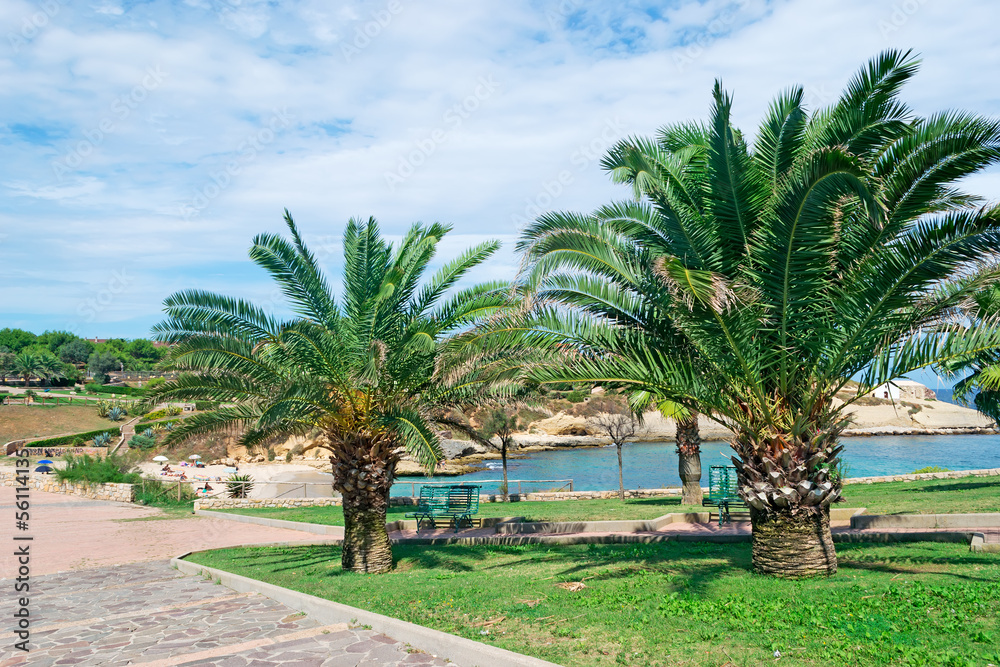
<point>688,440</point>
<point>363,475</point>
<point>789,483</point>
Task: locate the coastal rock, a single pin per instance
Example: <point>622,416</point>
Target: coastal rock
<point>561,424</point>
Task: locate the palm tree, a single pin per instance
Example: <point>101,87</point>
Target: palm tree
<point>28,364</point>
<point>6,363</point>
<point>50,367</point>
<point>366,376</point>
<point>983,380</point>
<point>829,250</point>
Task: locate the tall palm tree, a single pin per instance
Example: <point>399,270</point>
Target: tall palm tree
<point>28,364</point>
<point>50,368</point>
<point>366,374</point>
<point>828,250</point>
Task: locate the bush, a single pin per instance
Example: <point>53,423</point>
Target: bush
<point>63,440</point>
<point>155,414</point>
<point>107,389</point>
<point>930,469</point>
<point>142,442</point>
<point>102,439</point>
<point>116,413</point>
<point>160,493</point>
<point>97,470</point>
<point>206,405</point>
<point>576,396</point>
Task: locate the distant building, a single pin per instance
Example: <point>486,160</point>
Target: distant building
<point>903,390</point>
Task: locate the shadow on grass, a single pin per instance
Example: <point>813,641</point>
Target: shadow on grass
<point>958,486</point>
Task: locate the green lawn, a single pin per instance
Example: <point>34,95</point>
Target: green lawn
<point>939,496</point>
<point>560,510</point>
<point>942,496</point>
<point>670,603</point>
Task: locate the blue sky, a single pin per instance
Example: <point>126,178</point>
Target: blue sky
<point>145,143</point>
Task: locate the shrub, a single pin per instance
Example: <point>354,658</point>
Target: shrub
<point>142,442</point>
<point>239,486</point>
<point>117,413</point>
<point>160,493</point>
<point>62,440</point>
<point>120,391</point>
<point>930,469</point>
<point>97,470</point>
<point>102,439</point>
<point>288,456</point>
<point>206,405</point>
<point>155,414</point>
<point>174,410</point>
<point>153,383</point>
<point>270,453</point>
<point>576,396</point>
<point>148,433</point>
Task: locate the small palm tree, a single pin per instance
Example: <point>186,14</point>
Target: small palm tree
<point>832,249</point>
<point>366,376</point>
<point>27,364</point>
<point>981,371</point>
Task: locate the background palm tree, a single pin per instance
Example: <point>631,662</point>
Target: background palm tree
<point>981,381</point>
<point>365,376</point>
<point>28,365</point>
<point>830,250</point>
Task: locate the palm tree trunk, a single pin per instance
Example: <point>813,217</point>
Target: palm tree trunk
<point>793,546</point>
<point>363,475</point>
<point>621,480</point>
<point>688,439</point>
<point>789,484</point>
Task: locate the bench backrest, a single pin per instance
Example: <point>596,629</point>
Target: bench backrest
<point>461,498</point>
<point>723,483</point>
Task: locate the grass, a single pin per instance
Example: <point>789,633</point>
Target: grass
<point>669,603</point>
<point>557,510</point>
<point>29,421</point>
<point>939,496</point>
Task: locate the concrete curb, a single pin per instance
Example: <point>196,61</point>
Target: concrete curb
<point>979,545</point>
<point>458,649</point>
<point>868,522</point>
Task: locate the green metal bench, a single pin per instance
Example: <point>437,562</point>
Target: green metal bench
<point>457,502</point>
<point>723,491</point>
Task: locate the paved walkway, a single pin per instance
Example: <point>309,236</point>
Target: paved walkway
<point>150,614</point>
<point>72,533</point>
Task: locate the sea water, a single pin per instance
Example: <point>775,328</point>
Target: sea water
<point>653,465</point>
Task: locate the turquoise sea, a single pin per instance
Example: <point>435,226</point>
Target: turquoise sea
<point>654,464</point>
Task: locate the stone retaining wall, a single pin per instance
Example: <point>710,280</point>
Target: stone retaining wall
<point>51,484</point>
<point>955,474</point>
<point>63,451</point>
<point>253,503</point>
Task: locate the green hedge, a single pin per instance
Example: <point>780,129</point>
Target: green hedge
<point>206,405</point>
<point>106,389</point>
<point>87,437</point>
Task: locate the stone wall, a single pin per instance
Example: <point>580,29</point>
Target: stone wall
<point>254,503</point>
<point>63,451</point>
<point>51,484</point>
<point>955,474</point>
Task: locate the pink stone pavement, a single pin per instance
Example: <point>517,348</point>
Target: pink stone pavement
<point>72,533</point>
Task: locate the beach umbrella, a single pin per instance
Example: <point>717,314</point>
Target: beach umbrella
<point>43,469</point>
<point>160,458</point>
<point>45,462</point>
<point>194,457</point>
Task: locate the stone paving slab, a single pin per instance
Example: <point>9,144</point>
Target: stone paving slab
<point>150,614</point>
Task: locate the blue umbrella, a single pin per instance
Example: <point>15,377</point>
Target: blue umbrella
<point>45,462</point>
<point>43,469</point>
